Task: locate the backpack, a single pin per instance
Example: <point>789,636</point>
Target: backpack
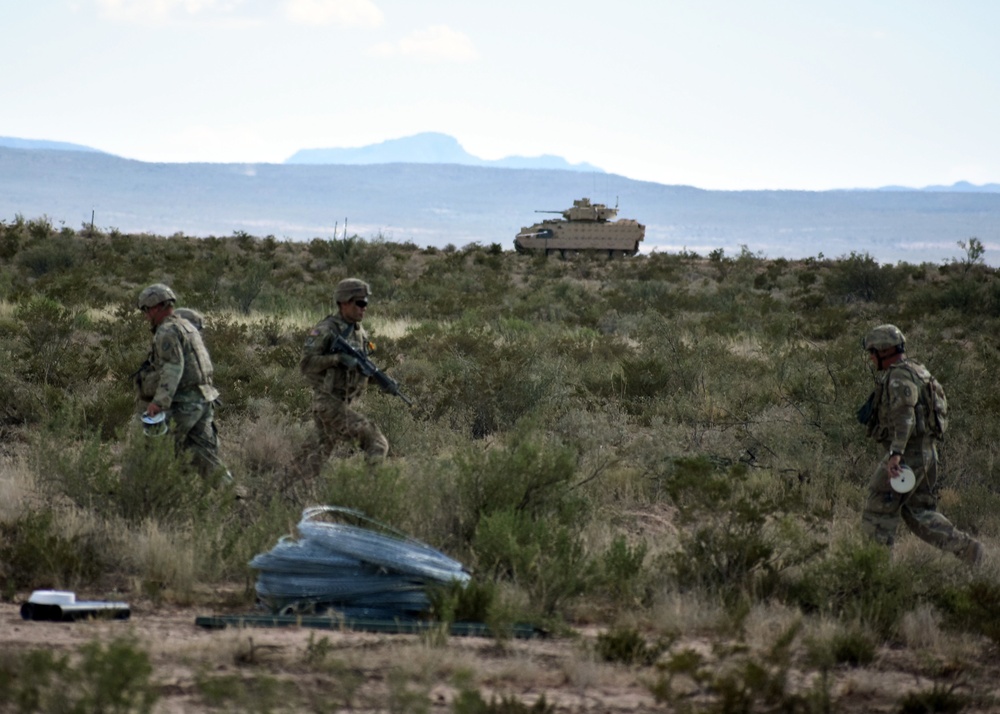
<point>937,408</point>
<point>934,400</point>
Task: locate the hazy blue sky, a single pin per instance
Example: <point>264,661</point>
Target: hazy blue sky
<point>721,94</point>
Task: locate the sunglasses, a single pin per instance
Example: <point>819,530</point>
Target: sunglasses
<point>361,303</point>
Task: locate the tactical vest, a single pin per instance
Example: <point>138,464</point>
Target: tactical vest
<point>930,412</point>
<point>337,380</point>
<point>196,380</point>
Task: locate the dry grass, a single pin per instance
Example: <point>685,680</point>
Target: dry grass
<point>164,562</point>
<point>18,488</point>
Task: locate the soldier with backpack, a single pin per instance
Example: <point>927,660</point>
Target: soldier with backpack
<point>907,416</point>
<point>178,380</point>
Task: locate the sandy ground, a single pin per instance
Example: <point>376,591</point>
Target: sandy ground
<point>301,669</point>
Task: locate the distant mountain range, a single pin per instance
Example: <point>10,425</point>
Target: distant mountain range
<point>42,144</point>
<point>436,204</point>
<point>436,148</point>
<point>428,148</point>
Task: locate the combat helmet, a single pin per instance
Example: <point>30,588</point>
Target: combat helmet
<point>884,337</point>
<point>351,288</point>
<point>155,294</point>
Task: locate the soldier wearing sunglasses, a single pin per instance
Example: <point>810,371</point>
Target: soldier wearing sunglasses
<point>337,382</point>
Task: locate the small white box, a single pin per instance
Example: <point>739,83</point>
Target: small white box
<point>52,597</point>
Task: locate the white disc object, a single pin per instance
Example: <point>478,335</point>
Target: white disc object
<point>905,481</point>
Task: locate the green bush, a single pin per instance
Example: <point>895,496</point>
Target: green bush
<point>857,582</point>
<point>36,553</point>
<point>859,277</point>
<point>971,607</point>
<point>939,699</point>
<point>547,560</point>
<point>628,646</point>
<point>470,701</point>
<point>741,533</point>
<point>530,479</point>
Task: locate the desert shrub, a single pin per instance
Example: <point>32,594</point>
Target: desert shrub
<point>463,602</point>
<point>740,681</point>
<point>379,490</point>
<point>157,482</point>
<point>857,581</point>
<point>46,348</point>
<point>852,646</point>
<point>529,477</point>
<point>488,377</point>
<point>116,677</point>
<point>49,254</point>
<point>939,699</point>
<point>470,701</point>
<point>75,465</point>
<point>547,560</point>
<point>972,606</point>
<point>145,479</point>
<point>558,300</point>
<point>743,533</point>
<point>621,571</point>
<point>36,553</point>
<point>627,646</point>
<point>23,399</point>
<point>248,284</point>
<point>234,692</point>
<point>859,277</point>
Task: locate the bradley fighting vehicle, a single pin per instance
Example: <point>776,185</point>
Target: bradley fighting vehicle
<point>586,227</point>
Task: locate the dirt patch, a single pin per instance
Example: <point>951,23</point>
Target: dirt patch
<point>328,670</point>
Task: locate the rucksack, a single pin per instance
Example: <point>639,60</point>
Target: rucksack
<point>934,399</point>
<point>937,408</point>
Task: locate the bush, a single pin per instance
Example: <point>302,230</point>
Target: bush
<point>547,560</point>
<point>35,553</point>
<point>628,646</point>
<point>859,277</point>
<point>741,534</point>
<point>971,607</point>
<point>857,582</point>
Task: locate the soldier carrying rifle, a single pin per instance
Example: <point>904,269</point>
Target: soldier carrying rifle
<point>336,365</point>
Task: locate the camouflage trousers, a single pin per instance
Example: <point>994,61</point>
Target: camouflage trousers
<point>193,427</point>
<point>917,509</point>
<point>337,422</point>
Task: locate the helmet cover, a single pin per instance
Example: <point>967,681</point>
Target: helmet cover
<point>155,294</point>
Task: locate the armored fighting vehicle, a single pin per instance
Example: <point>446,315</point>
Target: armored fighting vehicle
<point>586,227</point>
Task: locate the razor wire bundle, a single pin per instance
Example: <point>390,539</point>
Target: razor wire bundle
<point>359,572</point>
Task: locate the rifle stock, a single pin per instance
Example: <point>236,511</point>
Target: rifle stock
<point>368,368</point>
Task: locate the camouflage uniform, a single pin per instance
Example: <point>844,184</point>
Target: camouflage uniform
<point>180,377</point>
<point>337,382</point>
<point>901,424</point>
<point>146,378</point>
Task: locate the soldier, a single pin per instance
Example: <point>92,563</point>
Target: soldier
<point>337,382</point>
<point>180,378</point>
<point>145,378</point>
<point>906,424</point>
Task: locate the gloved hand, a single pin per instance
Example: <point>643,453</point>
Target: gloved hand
<point>347,361</point>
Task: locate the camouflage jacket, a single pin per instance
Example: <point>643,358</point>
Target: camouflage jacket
<point>900,406</point>
<point>331,373</point>
<point>181,364</point>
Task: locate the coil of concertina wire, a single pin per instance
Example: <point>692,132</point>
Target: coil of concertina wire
<point>355,570</point>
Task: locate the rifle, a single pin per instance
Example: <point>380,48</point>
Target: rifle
<point>867,410</point>
<point>367,368</point>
